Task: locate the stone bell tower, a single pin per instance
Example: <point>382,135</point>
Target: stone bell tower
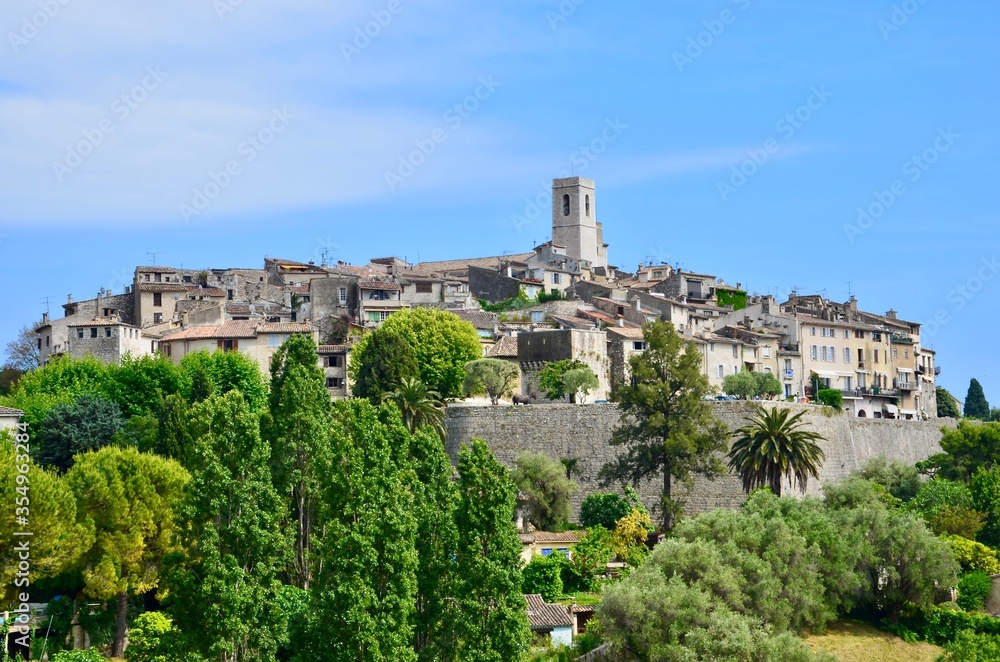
<point>574,221</point>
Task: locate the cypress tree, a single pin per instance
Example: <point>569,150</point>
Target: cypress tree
<point>976,405</point>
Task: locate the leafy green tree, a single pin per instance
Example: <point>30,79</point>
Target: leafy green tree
<point>774,445</point>
<point>968,447</point>
<point>62,381</point>
<point>551,379</point>
<point>740,384</point>
<point>579,382</point>
<point>228,371</point>
<point>224,588</point>
<point>973,589</point>
<point>365,581</point>
<point>442,344</point>
<point>604,509</point>
<point>436,542</point>
<point>202,386</point>
<point>297,429</point>
<point>494,377</point>
<point>173,438</point>
<point>89,423</point>
<point>968,646</point>
<point>546,490</point>
<point>830,397</point>
<point>543,575</point>
<point>767,384</point>
<point>947,405</point>
<point>380,362</point>
<point>129,500</point>
<point>153,637</point>
<point>491,618</point>
<point>985,489</point>
<point>138,383</point>
<point>57,539</point>
<point>590,558</point>
<point>666,427</point>
<point>628,540</point>
<point>940,493</point>
<point>418,405</point>
<point>902,480</point>
<point>8,378</point>
<point>976,405</point>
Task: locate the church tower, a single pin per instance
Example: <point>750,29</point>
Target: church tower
<point>574,221</point>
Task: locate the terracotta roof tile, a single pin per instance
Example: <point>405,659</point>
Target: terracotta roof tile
<point>100,322</point>
<point>504,348</point>
<point>285,327</point>
<point>445,266</point>
<point>227,330</point>
<point>205,291</point>
<point>543,615</point>
<point>480,319</point>
<point>377,284</point>
<point>162,287</point>
<point>631,332</point>
<point>548,536</point>
<point>333,349</point>
<point>9,411</point>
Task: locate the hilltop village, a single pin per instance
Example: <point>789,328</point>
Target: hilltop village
<point>560,300</point>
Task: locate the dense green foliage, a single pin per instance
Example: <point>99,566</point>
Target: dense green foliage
<point>735,298</point>
<point>86,424</point>
<point>976,405</point>
<point>491,618</point>
<point>492,377</point>
<point>442,344</point>
<point>748,385</point>
<point>380,362</point>
<point>579,382</point>
<point>973,589</point>
<point>604,509</point>
<point>418,405</point>
<point>552,378</point>
<point>968,447</point>
<point>901,480</point>
<point>545,489</point>
<point>985,488</point>
<point>972,555</point>
<point>830,397</point>
<point>544,575</point>
<point>154,638</point>
<point>947,405</point>
<point>775,444</point>
<point>666,429</point>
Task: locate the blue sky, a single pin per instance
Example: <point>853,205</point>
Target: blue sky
<point>734,137</point>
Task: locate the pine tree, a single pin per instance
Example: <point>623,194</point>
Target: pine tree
<point>976,405</point>
<point>492,618</point>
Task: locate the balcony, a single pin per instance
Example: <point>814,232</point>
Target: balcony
<point>876,391</point>
<point>861,365</point>
<point>902,339</point>
<point>904,386</point>
<point>788,349</point>
<point>937,371</point>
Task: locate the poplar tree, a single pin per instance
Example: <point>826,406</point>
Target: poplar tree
<point>297,429</point>
<point>225,587</point>
<point>492,620</point>
<point>365,562</point>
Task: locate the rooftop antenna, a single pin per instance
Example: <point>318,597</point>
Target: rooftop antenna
<point>45,300</point>
<point>154,254</point>
<point>326,256</point>
<point>849,292</point>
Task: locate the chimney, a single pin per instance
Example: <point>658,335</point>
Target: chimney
<point>891,314</point>
<point>620,321</point>
<point>45,317</point>
<point>636,304</point>
<point>69,298</point>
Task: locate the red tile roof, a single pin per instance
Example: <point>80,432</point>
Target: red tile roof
<point>227,330</point>
<point>205,291</point>
<point>544,615</point>
<point>377,284</point>
<point>8,411</point>
<point>162,287</point>
<point>504,348</point>
<point>285,327</point>
<point>548,536</point>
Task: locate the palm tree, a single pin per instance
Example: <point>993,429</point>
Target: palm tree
<point>773,445</point>
<point>418,405</point>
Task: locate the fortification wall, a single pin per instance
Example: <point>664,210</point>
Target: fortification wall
<point>582,432</point>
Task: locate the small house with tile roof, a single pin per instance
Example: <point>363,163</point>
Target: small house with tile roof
<point>9,418</point>
<point>258,340</point>
<point>547,543</point>
<point>549,621</point>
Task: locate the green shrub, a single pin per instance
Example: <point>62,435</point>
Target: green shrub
<point>973,589</point>
<point>544,575</point>
<point>830,397</point>
<point>153,638</point>
<point>942,624</point>
<point>79,656</point>
<point>971,646</point>
<point>974,555</point>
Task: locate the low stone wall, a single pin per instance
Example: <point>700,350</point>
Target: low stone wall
<point>582,432</point>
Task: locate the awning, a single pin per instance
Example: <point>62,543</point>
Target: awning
<point>824,373</point>
<point>903,370</point>
<point>864,372</point>
<point>845,374</point>
<point>890,409</point>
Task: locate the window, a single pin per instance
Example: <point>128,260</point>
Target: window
<point>378,315</point>
<point>294,316</point>
<point>165,349</point>
<point>736,370</point>
<point>906,353</point>
<point>547,551</point>
<point>93,333</point>
<point>736,351</point>
<point>343,296</point>
<point>822,354</point>
<point>157,318</point>
<point>822,332</point>
<point>847,333</point>
<point>425,288</point>
<point>565,205</point>
<point>765,352</point>
<point>895,353</point>
<point>333,361</point>
<point>812,330</point>
<point>40,343</point>
<point>587,199</point>
<point>711,346</point>
<point>847,384</point>
<point>719,371</point>
<point>877,337</point>
<point>639,345</point>
<point>274,340</point>
<point>556,279</point>
<point>379,295</point>
<point>79,334</point>
<point>334,382</point>
<point>812,352</point>
<point>229,345</point>
<point>876,356</point>
<point>107,332</point>
<point>847,355</point>
<point>564,551</point>
<point>157,299</point>
<point>229,294</point>
<point>157,278</point>
<point>187,279</point>
<point>858,333</point>
<point>537,316</point>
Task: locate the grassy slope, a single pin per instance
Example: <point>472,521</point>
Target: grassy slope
<point>851,641</point>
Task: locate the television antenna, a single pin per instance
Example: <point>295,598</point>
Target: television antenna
<point>154,254</point>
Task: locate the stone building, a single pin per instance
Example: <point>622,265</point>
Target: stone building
<point>575,225</point>
<point>258,340</point>
<point>334,359</point>
<point>536,348</point>
<point>109,340</point>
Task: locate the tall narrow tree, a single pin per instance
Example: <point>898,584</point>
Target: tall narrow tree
<point>224,586</point>
<point>297,429</point>
<point>666,427</point>
<point>492,620</point>
<point>976,405</point>
<point>775,445</point>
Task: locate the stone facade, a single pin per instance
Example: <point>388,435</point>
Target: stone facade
<point>536,348</point>
<point>582,433</point>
